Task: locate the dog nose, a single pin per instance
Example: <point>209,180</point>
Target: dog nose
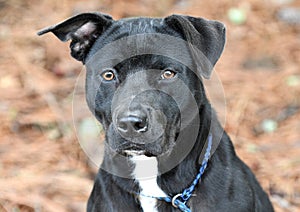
<point>132,125</point>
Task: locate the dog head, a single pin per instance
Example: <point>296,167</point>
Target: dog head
<point>144,75</point>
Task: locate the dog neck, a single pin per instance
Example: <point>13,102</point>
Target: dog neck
<point>184,173</point>
<point>145,174</point>
<point>149,189</point>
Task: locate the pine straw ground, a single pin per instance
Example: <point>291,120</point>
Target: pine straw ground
<point>42,166</point>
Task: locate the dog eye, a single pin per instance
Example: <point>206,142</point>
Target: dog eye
<point>108,75</point>
<point>168,74</point>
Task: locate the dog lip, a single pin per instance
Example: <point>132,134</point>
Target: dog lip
<point>137,153</point>
<point>134,152</point>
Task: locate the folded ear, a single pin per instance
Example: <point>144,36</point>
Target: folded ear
<point>82,29</point>
<point>205,36</point>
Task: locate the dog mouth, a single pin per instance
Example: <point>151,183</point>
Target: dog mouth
<point>132,153</point>
<point>136,152</point>
<point>153,147</point>
<point>148,150</point>
<point>161,147</point>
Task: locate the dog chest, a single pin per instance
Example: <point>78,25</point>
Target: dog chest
<point>145,174</point>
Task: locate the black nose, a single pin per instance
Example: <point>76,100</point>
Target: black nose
<point>132,125</point>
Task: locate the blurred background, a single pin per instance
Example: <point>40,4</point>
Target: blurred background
<point>43,168</point>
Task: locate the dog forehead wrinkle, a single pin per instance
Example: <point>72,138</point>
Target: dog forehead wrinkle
<point>136,81</point>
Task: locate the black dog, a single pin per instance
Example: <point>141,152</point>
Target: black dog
<point>165,149</point>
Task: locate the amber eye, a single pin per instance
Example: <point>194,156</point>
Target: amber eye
<point>168,74</point>
<point>108,75</point>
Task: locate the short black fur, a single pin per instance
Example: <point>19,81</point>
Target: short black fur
<point>227,184</point>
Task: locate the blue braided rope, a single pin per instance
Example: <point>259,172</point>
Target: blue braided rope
<point>179,204</point>
<point>187,193</point>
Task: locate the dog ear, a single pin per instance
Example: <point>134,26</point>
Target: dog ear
<point>205,36</point>
<point>82,29</point>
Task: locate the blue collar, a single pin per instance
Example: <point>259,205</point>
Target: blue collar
<point>179,200</point>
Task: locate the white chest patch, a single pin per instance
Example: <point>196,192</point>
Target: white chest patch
<point>145,173</point>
